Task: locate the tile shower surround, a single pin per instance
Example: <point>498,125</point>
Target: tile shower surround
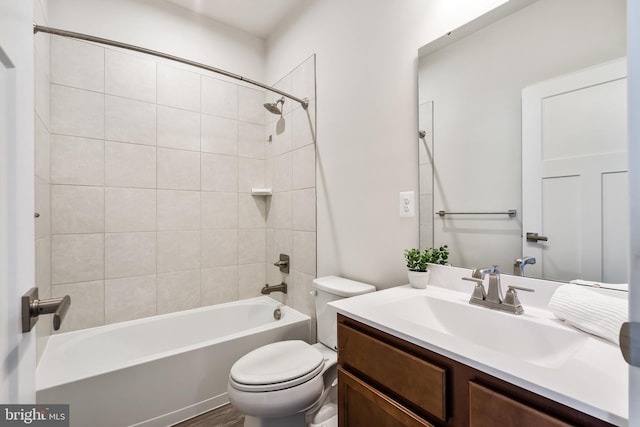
<point>152,166</point>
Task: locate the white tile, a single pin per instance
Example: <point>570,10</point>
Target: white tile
<point>178,169</point>
<point>87,305</point>
<point>178,251</point>
<point>42,90</point>
<point>219,248</point>
<point>303,164</point>
<point>300,292</point>
<point>251,211</point>
<point>178,291</point>
<point>250,107</point>
<point>426,209</point>
<point>304,252</point>
<point>251,140</point>
<point>130,165</point>
<point>251,246</point>
<point>77,112</point>
<point>178,128</point>
<point>43,264</point>
<point>178,210</point>
<point>219,98</point>
<point>77,258</point>
<point>251,279</point>
<point>283,172</point>
<point>251,174</point>
<point>128,120</point>
<point>130,76</point>
<point>300,297</point>
<point>130,209</point>
<point>281,211</point>
<point>42,151</point>
<point>178,88</point>
<point>129,298</point>
<point>130,254</point>
<point>283,242</point>
<point>219,172</point>
<point>302,128</point>
<point>219,210</point>
<point>426,179</point>
<point>42,205</point>
<point>78,64</point>
<point>304,210</point>
<point>77,209</point>
<point>280,132</point>
<point>219,285</point>
<point>76,160</point>
<point>219,135</point>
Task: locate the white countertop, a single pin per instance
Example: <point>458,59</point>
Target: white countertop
<point>594,379</point>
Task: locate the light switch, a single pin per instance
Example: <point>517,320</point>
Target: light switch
<point>407,204</point>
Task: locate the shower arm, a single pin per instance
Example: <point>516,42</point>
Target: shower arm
<point>80,36</point>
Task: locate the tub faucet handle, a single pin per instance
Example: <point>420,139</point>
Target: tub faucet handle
<point>283,263</point>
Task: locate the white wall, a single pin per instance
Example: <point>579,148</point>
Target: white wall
<point>165,27</point>
<point>367,122</point>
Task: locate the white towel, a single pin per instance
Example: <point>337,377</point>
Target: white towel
<point>590,311</point>
<point>614,286</point>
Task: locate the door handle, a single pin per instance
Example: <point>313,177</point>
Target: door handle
<point>534,237</point>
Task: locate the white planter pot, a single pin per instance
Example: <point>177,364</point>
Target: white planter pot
<point>419,279</point>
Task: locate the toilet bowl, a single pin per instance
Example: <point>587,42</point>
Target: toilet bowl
<point>284,384</point>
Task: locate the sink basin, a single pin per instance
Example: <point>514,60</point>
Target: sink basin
<point>540,341</point>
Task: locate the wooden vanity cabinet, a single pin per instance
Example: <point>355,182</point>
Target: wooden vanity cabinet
<point>386,381</point>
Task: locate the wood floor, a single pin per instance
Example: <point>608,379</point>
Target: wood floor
<point>225,416</point>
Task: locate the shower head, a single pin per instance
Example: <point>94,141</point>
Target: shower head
<point>273,108</point>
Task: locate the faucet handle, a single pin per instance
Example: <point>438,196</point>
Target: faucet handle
<point>511,299</point>
<point>520,288</point>
<point>479,292</point>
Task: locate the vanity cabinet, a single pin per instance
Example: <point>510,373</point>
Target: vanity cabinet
<point>386,381</point>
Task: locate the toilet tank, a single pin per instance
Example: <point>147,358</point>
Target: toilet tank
<point>329,289</point>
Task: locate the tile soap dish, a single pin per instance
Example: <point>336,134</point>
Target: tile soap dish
<point>261,192</point>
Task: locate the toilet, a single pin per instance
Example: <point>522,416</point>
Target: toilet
<point>291,383</point>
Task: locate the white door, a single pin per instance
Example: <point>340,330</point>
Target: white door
<point>574,179</point>
<point>17,350</point>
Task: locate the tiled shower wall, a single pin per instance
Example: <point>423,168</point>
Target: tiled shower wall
<point>152,166</point>
<point>291,211</point>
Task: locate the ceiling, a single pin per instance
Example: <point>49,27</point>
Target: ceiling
<point>257,17</point>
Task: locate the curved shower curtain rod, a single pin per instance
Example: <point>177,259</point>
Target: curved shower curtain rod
<point>55,31</point>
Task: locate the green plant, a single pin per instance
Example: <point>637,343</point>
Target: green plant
<point>417,260</point>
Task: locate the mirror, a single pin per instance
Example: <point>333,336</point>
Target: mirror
<point>470,111</point>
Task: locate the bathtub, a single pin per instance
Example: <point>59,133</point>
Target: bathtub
<point>159,370</point>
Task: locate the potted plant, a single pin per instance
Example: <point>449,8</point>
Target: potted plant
<point>418,261</point>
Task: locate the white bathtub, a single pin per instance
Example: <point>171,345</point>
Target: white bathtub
<point>160,370</point>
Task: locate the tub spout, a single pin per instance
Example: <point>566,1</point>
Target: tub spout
<point>282,287</point>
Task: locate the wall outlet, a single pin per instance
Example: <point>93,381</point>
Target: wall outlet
<point>407,204</point>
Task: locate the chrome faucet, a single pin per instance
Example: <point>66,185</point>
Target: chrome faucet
<point>493,297</point>
<point>518,265</point>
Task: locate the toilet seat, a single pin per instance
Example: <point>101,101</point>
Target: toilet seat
<point>276,366</point>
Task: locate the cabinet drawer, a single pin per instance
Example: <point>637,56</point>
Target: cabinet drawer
<point>363,405</point>
<point>490,408</point>
<point>418,382</point>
